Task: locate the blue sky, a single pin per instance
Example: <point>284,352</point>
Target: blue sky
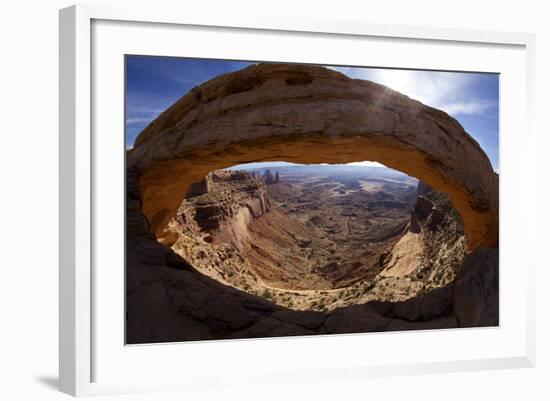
<point>154,83</point>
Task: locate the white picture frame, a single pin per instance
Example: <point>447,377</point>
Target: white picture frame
<point>80,152</point>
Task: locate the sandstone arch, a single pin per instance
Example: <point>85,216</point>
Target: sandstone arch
<point>308,114</point>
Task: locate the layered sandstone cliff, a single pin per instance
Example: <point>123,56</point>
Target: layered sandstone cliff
<point>225,206</point>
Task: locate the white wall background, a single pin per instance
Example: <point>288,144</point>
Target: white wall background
<point>29,199</point>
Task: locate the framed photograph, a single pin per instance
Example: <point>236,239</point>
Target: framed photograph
<point>299,200</point>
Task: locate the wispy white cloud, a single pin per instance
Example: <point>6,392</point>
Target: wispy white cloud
<point>138,112</point>
<point>135,120</point>
<point>474,107</point>
<point>448,91</point>
<point>139,108</point>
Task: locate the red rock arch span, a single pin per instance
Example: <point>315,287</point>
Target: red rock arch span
<point>309,114</point>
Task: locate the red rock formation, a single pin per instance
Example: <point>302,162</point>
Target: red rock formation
<point>269,178</point>
<point>230,200</point>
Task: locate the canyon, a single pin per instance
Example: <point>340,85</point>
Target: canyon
<point>320,237</point>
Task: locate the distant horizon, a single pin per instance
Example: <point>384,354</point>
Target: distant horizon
<point>364,169</point>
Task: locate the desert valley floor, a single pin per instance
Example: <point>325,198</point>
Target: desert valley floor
<point>320,237</point>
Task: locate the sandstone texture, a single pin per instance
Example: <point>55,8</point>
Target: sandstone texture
<point>309,114</point>
<point>229,201</point>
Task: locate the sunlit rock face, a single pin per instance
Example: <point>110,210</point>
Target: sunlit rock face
<point>309,114</point>
<point>226,207</point>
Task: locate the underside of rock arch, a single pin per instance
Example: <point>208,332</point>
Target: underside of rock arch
<point>308,114</point>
